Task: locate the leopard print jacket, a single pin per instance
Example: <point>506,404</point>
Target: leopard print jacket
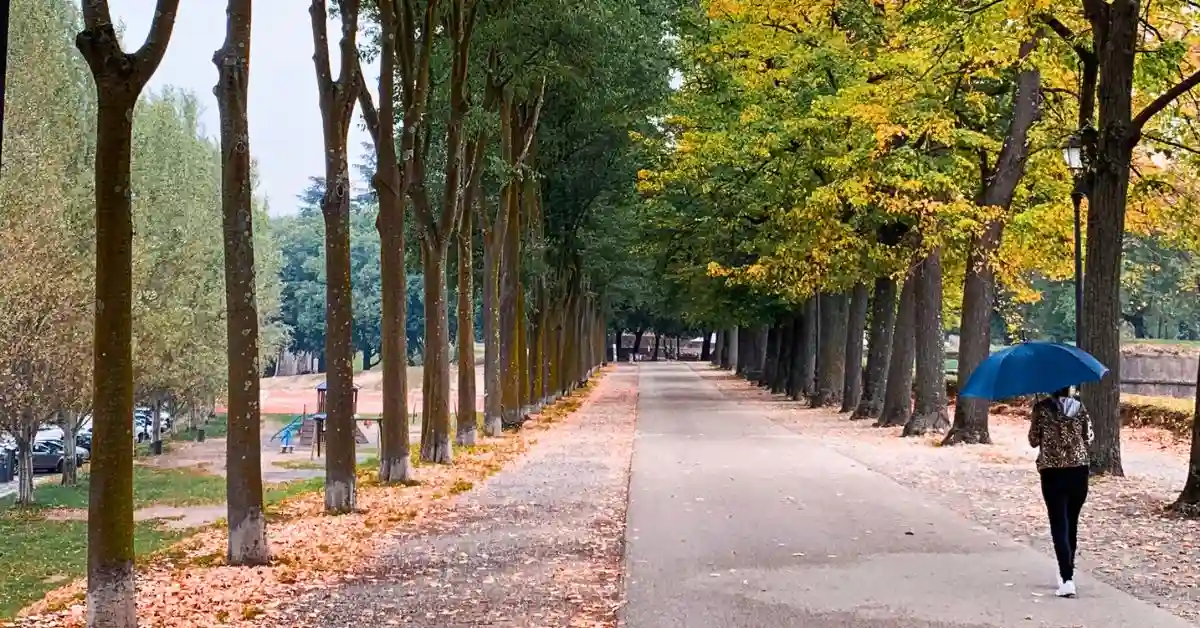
<point>1062,440</point>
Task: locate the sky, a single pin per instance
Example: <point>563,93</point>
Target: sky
<point>285,119</point>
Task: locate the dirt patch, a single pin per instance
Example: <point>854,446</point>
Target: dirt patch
<point>173,517</point>
<point>1125,538</point>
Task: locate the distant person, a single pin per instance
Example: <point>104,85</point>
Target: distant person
<point>1062,430</point>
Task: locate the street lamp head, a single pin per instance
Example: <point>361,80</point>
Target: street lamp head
<point>1073,154</point>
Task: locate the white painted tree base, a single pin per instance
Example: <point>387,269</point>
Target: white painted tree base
<point>110,601</point>
<point>248,540</point>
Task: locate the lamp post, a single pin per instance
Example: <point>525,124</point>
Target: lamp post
<point>1077,162</point>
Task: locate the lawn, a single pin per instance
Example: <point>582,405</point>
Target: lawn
<point>151,486</point>
<point>38,555</point>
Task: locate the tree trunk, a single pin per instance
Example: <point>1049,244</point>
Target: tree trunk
<point>732,340</point>
<point>706,347</point>
<point>831,348</point>
<point>1188,503</point>
<point>898,394</point>
<point>395,463</point>
<point>24,439</point>
<point>856,322</point>
<point>466,426</point>
<point>243,450</point>
<point>156,427</point>
<point>783,358</point>
<point>718,350</point>
<point>879,349</point>
<point>336,98</point>
<point>929,414</point>
<point>657,340</point>
<point>808,348</point>
<point>339,350</point>
<point>110,588</point>
<point>1116,28</point>
<point>70,475</point>
<point>797,356</point>
<point>971,414</point>
<point>435,426</point>
<point>493,382</point>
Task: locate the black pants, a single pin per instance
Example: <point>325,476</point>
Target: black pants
<point>1065,490</point>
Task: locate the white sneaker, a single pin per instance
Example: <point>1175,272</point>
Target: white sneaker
<point>1058,577</point>
<point>1066,589</point>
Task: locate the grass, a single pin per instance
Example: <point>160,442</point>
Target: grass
<point>151,487</point>
<point>37,556</point>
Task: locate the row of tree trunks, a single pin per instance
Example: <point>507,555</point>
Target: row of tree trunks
<point>897,398</point>
<point>930,413</point>
<point>856,321</point>
<point>879,349</point>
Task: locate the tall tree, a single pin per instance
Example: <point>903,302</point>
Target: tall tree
<point>243,450</point>
<point>1116,32</point>
<point>120,78</point>
<point>390,186</point>
<point>970,414</point>
<point>337,99</point>
<point>438,227</point>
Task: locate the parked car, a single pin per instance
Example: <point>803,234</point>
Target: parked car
<point>82,454</point>
<point>48,456</point>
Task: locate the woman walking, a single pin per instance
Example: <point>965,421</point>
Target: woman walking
<point>1062,431</point>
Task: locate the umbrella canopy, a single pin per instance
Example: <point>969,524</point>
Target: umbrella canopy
<point>1030,368</point>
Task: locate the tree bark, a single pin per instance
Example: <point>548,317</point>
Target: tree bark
<point>706,347</point>
<point>119,79</point>
<point>783,357</point>
<point>395,464</point>
<point>24,438</point>
<point>929,413</point>
<point>1188,502</point>
<point>897,397</point>
<point>718,351</point>
<point>337,98</point>
<point>971,414</point>
<point>831,351</point>
<point>856,324</point>
<point>247,525</point>
<point>733,344</point>
<point>466,426</point>
<point>810,327</point>
<point>879,349</point>
<point>70,471</point>
<point>493,408</point>
<point>435,429</point>
<point>797,356</point>
<point>1115,30</point>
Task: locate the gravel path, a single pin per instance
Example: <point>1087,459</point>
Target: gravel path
<point>539,544</point>
<point>1125,538</point>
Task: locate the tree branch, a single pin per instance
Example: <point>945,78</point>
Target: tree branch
<point>151,53</point>
<point>1160,103</point>
<point>370,115</point>
<point>318,14</point>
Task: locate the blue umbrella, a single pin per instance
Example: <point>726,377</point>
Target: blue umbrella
<point>1032,367</point>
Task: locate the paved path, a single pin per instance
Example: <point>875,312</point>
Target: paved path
<point>734,521</point>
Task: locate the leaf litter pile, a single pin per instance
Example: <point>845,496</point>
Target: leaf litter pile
<point>401,535</point>
<point>1126,538</point>
<point>540,544</point>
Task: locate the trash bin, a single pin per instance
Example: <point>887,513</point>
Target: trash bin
<point>6,466</point>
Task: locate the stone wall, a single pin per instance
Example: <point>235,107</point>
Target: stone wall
<point>1159,371</point>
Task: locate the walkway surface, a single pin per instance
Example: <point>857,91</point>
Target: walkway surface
<point>735,521</point>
